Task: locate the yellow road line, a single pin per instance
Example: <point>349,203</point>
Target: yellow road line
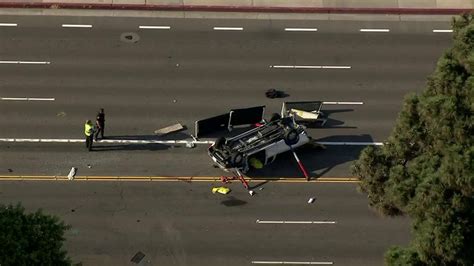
<point>179,178</point>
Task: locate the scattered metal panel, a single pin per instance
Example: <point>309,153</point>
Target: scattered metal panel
<point>210,125</point>
<point>246,116</point>
<point>308,106</point>
<point>304,111</point>
<point>169,129</point>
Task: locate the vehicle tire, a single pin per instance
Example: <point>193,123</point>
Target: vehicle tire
<point>291,137</point>
<point>275,117</point>
<point>236,159</point>
<point>219,143</point>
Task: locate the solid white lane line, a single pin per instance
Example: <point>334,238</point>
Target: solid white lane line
<point>228,28</point>
<point>41,99</point>
<point>442,31</point>
<point>26,99</point>
<point>292,262</point>
<point>301,29</point>
<point>13,99</point>
<point>309,67</point>
<point>127,141</point>
<point>25,62</point>
<point>155,27</point>
<point>29,140</point>
<point>374,30</point>
<point>76,26</point>
<point>335,143</point>
<point>35,62</point>
<point>203,142</point>
<point>344,103</point>
<point>295,222</point>
<point>8,24</point>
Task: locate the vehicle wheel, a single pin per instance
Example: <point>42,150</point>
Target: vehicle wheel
<point>219,143</point>
<point>292,137</point>
<point>236,159</point>
<point>275,117</point>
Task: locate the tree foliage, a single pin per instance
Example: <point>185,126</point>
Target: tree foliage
<point>31,239</point>
<point>426,168</point>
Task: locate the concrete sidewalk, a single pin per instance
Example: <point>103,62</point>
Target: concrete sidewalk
<point>429,7</point>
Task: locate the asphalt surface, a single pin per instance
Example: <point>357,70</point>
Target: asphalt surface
<point>188,73</point>
<point>184,224</point>
<point>192,72</point>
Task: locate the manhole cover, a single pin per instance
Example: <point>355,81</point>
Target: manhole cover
<point>138,257</point>
<point>130,37</point>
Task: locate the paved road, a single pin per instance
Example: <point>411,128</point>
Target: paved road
<point>184,224</point>
<point>207,72</point>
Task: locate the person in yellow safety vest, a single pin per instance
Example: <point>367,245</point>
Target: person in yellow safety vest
<point>89,132</point>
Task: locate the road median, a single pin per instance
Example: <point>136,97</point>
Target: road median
<point>176,179</point>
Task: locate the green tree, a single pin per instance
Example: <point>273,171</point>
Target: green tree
<point>426,168</point>
<point>31,239</point>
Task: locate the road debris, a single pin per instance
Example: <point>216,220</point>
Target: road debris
<point>190,144</point>
<point>169,129</point>
<point>72,173</point>
<point>221,190</point>
<point>273,93</point>
<point>311,200</point>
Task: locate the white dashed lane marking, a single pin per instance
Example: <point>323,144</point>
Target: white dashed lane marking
<point>296,222</point>
<point>155,27</point>
<point>292,262</point>
<point>76,26</point>
<point>442,31</point>
<point>301,29</point>
<point>26,99</point>
<point>8,24</point>
<point>308,67</point>
<point>229,28</point>
<point>25,62</point>
<point>343,103</point>
<point>374,30</point>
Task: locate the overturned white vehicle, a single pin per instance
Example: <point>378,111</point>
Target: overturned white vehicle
<point>262,143</point>
<point>284,132</point>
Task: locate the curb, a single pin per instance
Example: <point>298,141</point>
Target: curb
<point>248,9</point>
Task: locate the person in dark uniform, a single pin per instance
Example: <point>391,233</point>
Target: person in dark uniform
<point>100,124</point>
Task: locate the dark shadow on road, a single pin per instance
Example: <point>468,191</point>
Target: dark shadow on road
<point>232,202</point>
<point>130,147</point>
<point>318,161</point>
<point>330,122</point>
<point>171,136</point>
